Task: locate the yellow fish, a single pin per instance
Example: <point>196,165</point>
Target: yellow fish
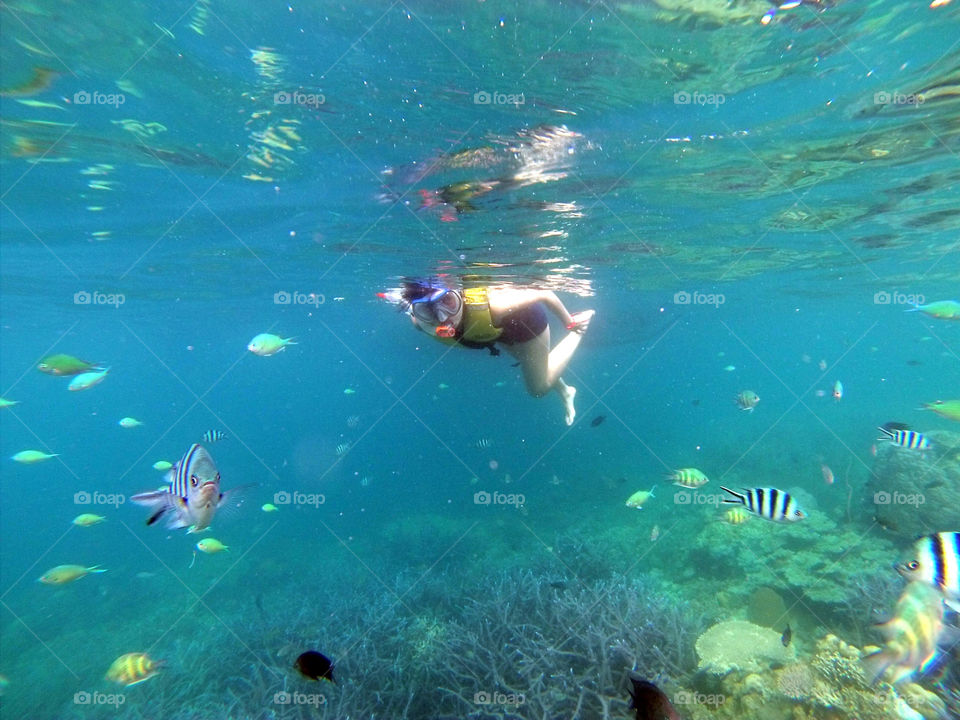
<point>737,516</point>
<point>949,409</point>
<point>211,546</point>
<point>133,668</point>
<point>63,574</point>
<point>689,478</point>
<point>29,457</point>
<point>269,507</point>
<point>640,497</point>
<point>162,465</point>
<point>88,519</point>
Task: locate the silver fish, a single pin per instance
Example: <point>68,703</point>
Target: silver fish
<point>193,495</point>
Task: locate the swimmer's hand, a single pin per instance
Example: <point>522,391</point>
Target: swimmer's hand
<point>579,322</point>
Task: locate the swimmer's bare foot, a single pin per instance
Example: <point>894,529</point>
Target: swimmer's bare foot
<point>581,321</point>
<point>568,393</point>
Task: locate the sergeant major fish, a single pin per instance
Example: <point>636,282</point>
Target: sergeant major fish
<point>194,493</point>
<point>768,503</point>
<point>936,562</point>
<point>911,636</point>
<point>909,439</point>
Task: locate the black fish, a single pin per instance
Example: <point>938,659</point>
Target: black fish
<point>315,666</point>
<point>914,363</point>
<point>558,585</point>
<point>787,634</point>
<point>649,701</point>
<point>597,420</point>
<point>895,426</point>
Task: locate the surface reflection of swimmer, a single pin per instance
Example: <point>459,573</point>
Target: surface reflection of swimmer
<point>482,317</point>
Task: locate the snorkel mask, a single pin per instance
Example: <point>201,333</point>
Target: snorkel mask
<point>439,308</point>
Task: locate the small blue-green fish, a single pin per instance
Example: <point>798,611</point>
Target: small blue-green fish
<point>768,503</point>
<point>942,309</point>
<point>909,439</point>
<point>129,422</point>
<point>29,457</point>
<point>87,380</point>
<point>212,436</point>
<point>4,403</point>
<point>267,344</point>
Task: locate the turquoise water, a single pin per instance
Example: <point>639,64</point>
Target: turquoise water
<point>802,186</point>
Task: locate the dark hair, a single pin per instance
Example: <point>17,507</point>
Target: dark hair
<point>413,290</point>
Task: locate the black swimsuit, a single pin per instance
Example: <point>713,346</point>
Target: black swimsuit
<point>523,325</point>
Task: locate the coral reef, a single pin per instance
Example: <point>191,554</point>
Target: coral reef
<point>736,645</point>
<point>815,561</point>
<point>904,480</point>
<point>829,685</point>
<point>511,645</point>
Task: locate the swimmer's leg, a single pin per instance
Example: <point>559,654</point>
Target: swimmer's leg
<point>562,354</point>
<point>567,394</point>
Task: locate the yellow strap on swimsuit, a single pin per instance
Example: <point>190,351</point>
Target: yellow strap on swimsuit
<point>477,324</point>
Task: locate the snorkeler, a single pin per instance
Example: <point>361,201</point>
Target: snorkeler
<point>481,317</point>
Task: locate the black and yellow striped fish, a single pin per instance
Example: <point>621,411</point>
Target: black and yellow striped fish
<point>769,503</point>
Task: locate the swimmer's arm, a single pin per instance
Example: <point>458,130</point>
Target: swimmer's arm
<point>507,300</point>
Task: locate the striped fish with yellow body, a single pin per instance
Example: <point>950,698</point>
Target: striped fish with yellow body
<point>911,636</point>
<point>736,516</point>
<point>133,668</point>
<point>689,478</point>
